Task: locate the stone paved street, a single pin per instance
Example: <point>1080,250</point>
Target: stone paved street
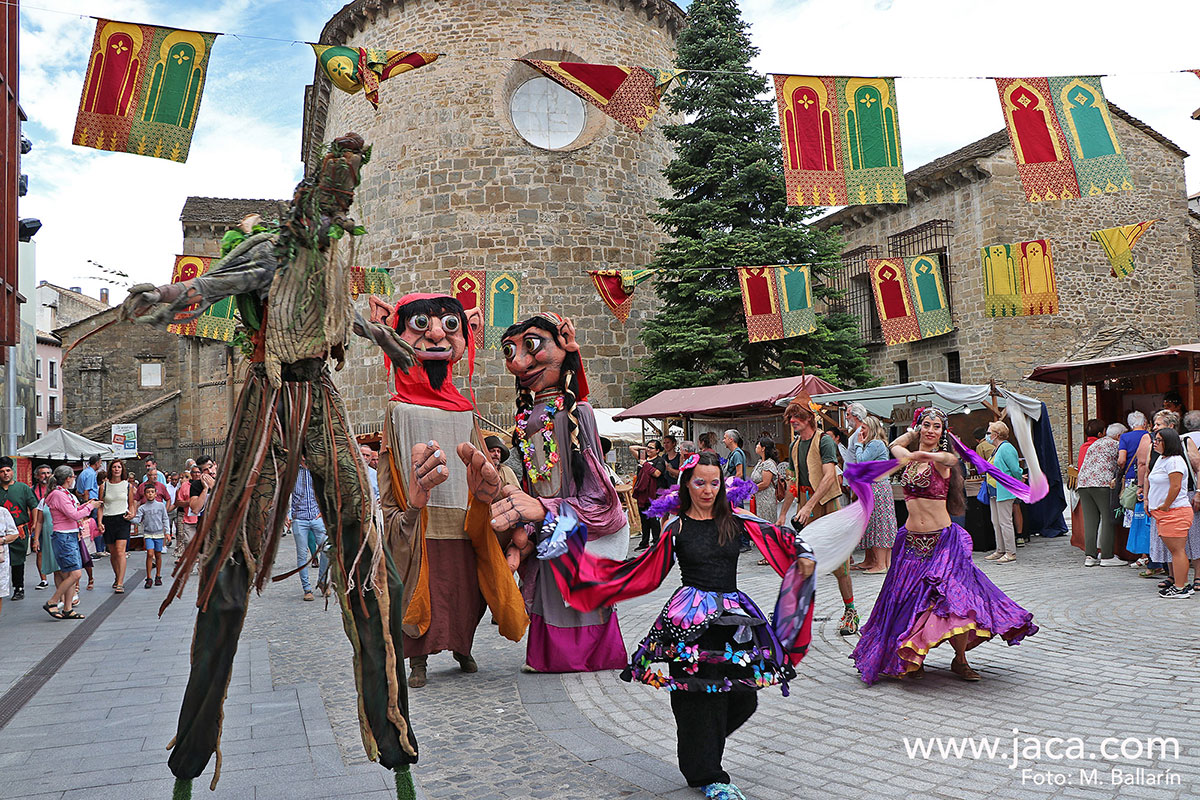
<point>1111,660</point>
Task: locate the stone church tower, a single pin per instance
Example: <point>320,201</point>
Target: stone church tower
<point>470,171</point>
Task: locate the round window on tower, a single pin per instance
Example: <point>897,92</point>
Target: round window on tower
<point>547,115</point>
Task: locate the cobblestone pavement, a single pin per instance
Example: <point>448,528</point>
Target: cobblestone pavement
<point>1111,660</point>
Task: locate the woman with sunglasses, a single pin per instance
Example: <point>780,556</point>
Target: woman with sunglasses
<point>1167,501</point>
<point>718,646</point>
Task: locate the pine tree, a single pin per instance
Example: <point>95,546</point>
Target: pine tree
<point>730,210</point>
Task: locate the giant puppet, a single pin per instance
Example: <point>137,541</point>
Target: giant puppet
<point>437,518</point>
<point>563,466</point>
<point>292,290</point>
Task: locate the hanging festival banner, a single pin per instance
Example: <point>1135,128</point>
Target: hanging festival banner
<point>796,313</point>
<point>370,280</point>
<point>841,140</point>
<point>1018,279</point>
<point>352,69</point>
<point>466,286</point>
<point>186,268</point>
<point>616,288</point>
<point>893,300</point>
<point>503,305</point>
<point>219,320</point>
<point>1062,137</point>
<point>630,95</point>
<point>760,300</point>
<point>142,89</point>
<point>1118,245</point>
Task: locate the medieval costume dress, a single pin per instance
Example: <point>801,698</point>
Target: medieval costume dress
<point>562,638</point>
<point>718,645</point>
<point>933,590</point>
<point>449,558</point>
<point>292,289</point>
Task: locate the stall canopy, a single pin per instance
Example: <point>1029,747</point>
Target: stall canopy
<point>61,444</point>
<point>725,400</point>
<point>1172,359</point>
<point>950,397</point>
<point>622,431</point>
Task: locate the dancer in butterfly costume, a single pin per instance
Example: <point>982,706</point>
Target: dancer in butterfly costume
<point>292,290</point>
<point>717,644</point>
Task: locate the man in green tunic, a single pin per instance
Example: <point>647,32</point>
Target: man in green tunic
<point>18,498</point>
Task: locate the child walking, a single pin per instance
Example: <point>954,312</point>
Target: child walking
<point>155,527</point>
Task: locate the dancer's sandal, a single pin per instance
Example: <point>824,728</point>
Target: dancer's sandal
<point>963,670</point>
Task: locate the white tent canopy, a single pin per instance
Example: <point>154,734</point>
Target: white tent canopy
<point>626,430</point>
<point>61,444</point>
<point>950,397</point>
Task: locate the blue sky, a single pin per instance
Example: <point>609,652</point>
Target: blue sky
<point>123,210</point>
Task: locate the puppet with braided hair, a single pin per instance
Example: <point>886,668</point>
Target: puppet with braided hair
<point>563,466</point>
<point>292,289</point>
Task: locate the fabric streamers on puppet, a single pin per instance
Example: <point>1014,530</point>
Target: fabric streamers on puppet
<point>561,528</point>
<point>666,504</point>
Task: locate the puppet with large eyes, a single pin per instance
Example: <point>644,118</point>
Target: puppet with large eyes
<point>436,513</point>
<point>563,464</point>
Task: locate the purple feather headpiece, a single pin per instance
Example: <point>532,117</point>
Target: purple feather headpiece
<point>737,490</point>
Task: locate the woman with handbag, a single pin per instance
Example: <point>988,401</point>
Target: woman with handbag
<point>66,513</point>
<point>1098,473</point>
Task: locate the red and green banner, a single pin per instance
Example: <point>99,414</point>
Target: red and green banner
<point>1018,279</point>
<point>616,287</point>
<point>219,321</point>
<point>777,301</point>
<point>142,89</point>
<point>355,69</point>
<point>1118,245</point>
<point>910,297</point>
<point>370,280</point>
<point>841,140</point>
<point>630,95</point>
<point>497,295</point>
<point>1062,137</point>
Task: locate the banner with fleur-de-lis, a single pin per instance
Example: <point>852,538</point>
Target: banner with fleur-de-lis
<point>142,89</point>
<point>841,140</point>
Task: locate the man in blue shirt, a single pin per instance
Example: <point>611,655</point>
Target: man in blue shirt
<point>308,529</point>
<point>371,457</point>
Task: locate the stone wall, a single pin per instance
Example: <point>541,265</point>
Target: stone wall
<point>1160,299</point>
<point>452,185</point>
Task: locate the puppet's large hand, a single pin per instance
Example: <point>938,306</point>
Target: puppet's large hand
<point>515,508</point>
<point>428,470</point>
<point>157,305</point>
<point>482,478</point>
<point>399,351</point>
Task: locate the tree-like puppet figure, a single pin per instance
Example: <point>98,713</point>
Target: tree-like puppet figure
<point>292,290</point>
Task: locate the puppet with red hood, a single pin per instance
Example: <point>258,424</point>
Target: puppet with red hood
<point>564,466</point>
<point>435,516</point>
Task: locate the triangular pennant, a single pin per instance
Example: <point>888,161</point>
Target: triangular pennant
<point>352,69</point>
<point>628,94</point>
<point>1118,245</point>
<point>616,286</point>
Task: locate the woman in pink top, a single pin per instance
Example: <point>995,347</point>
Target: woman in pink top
<point>66,513</point>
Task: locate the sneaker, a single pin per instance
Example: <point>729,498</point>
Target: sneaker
<point>722,791</point>
<point>1092,561</point>
<point>1007,558</point>
<point>1175,593</point>
<point>41,585</point>
<point>1021,542</point>
<point>849,624</point>
<point>18,594</point>
<point>996,556</point>
<point>1113,562</point>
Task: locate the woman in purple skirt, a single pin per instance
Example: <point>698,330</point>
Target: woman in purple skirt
<point>933,591</point>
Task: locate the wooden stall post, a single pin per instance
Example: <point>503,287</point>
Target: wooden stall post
<point>1070,424</point>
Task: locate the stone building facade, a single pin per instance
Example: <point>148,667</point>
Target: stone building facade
<point>973,197</point>
<point>452,184</point>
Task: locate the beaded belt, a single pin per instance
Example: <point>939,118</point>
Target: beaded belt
<point>921,545</point>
